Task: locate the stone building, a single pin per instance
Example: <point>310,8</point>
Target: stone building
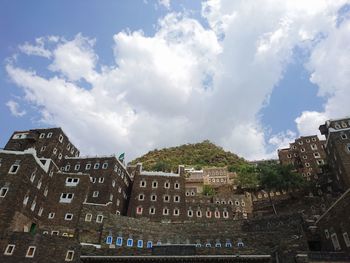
<point>194,182</point>
<point>333,226</point>
<point>218,176</point>
<point>158,196</point>
<point>337,133</point>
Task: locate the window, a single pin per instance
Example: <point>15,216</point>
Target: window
<point>3,191</point>
<point>141,197</point>
<point>60,156</point>
<point>337,126</point>
<point>208,214</point>
<point>313,139</point>
<point>166,198</point>
<point>199,213</point>
<point>152,210</point>
<point>313,147</point>
<point>72,181</point>
<point>43,148</point>
<point>129,242</point>
<point>153,198</point>
<point>343,136</point>
<point>307,140</point>
<point>167,185</point>
<point>101,180</point>
<point>93,180</point>
<point>177,186</point>
<point>217,214</point>
<point>9,250</point>
<point>42,135</point>
<point>317,155</point>
<point>304,157</point>
<point>165,211</point>
<point>300,142</point>
<point>96,166</point>
<point>335,241</point>
<point>14,169</point>
<point>68,146</point>
<point>54,150</point>
<point>51,215</point>
<point>40,212</point>
<point>25,200</point>
<point>113,183</point>
<point>119,241</point>
<point>95,194</point>
<point>139,210</point>
<point>77,167</point>
<point>110,197</point>
<point>140,243</point>
<point>143,183</point>
<point>225,214</point>
<point>55,233</point>
<point>32,177</point>
<point>154,184</point>
<point>32,207</point>
<point>104,165</point>
<point>176,212</point>
<point>289,156</point>
<point>66,197</point>
<point>69,255</point>
<point>149,244</point>
<point>302,149</point>
<point>189,213</point>
<point>99,218</point>
<point>60,138</point>
<point>346,239</point>
<point>68,217</point>
<point>88,217</point>
<point>307,164</point>
<point>109,240</point>
<point>39,184</point>
<point>228,244</point>
<point>348,148</point>
<point>30,252</point>
<point>88,166</point>
<point>176,199</point>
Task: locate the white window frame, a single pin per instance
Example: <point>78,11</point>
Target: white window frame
<point>3,191</point>
<point>167,185</point>
<point>176,212</point>
<point>30,248</point>
<point>88,166</point>
<point>101,180</point>
<point>95,193</point>
<point>96,166</point>
<point>177,185</point>
<point>165,211</point>
<point>152,212</point>
<point>49,135</point>
<point>66,199</point>
<point>155,199</point>
<point>12,167</point>
<point>168,197</point>
<point>335,242</point>
<point>40,212</point>
<point>104,166</point>
<point>68,215</point>
<point>346,239</point>
<point>141,197</point>
<point>60,138</point>
<point>99,218</point>
<point>143,183</point>
<point>154,184</point>
<point>69,255</point>
<point>51,215</point>
<point>42,135</point>
<point>7,252</point>
<point>88,217</point>
<point>77,167</point>
<point>177,197</point>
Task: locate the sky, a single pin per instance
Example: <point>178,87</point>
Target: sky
<point>132,76</point>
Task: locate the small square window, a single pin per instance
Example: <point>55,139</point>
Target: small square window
<point>344,136</point>
<point>153,198</point>
<point>177,186</point>
<point>176,199</point>
<point>143,183</point>
<point>43,148</point>
<point>68,217</point>
<point>30,252</point>
<point>77,167</point>
<point>101,180</point>
<point>166,198</point>
<point>60,138</point>
<point>97,166</point>
<point>167,185</point>
<point>88,217</point>
<point>141,197</point>
<point>95,194</point>
<point>88,166</point>
<point>165,211</point>
<point>42,135</point>
<point>104,165</point>
<point>14,169</point>
<point>152,210</point>
<point>51,215</point>
<point>154,184</point>
<point>99,218</point>
<point>176,212</point>
<point>55,233</point>
<point>9,250</point>
<point>49,135</point>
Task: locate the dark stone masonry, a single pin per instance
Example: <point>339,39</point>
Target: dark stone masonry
<point>57,206</point>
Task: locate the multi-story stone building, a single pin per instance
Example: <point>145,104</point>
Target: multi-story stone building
<point>337,147</point>
<point>158,196</point>
<point>218,176</point>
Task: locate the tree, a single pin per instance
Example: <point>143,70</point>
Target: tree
<point>208,190</point>
<point>273,176</point>
<point>247,176</point>
<point>162,166</point>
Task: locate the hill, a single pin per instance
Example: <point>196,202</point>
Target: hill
<point>198,155</point>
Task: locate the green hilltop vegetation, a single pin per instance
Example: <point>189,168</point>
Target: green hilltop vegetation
<point>198,155</point>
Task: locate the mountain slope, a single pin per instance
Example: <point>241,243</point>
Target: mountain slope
<point>199,155</point>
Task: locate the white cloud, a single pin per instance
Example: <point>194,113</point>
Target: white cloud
<point>329,65</point>
<point>38,49</point>
<point>186,83</point>
<point>165,3</point>
<point>15,109</point>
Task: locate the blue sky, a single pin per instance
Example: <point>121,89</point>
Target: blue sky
<point>130,76</point>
